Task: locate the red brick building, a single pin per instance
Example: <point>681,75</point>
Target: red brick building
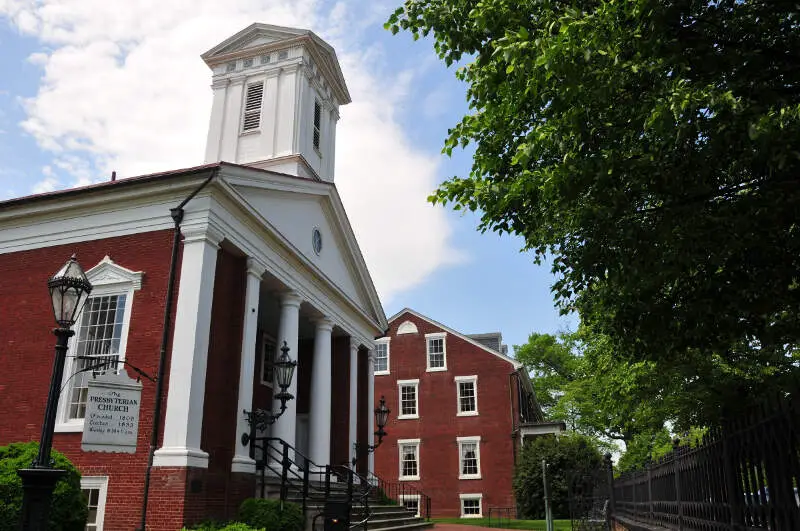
<point>458,405</point>
<point>266,256</point>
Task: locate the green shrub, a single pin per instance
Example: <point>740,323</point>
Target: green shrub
<point>272,515</point>
<point>565,456</point>
<point>68,511</point>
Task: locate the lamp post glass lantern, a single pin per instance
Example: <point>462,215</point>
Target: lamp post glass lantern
<point>69,288</point>
<point>259,419</point>
<point>381,418</point>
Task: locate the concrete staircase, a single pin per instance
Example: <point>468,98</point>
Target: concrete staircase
<point>382,517</point>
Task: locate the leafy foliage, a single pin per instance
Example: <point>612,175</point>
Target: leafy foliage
<point>564,456</point>
<point>69,509</point>
<point>578,379</point>
<point>651,148</point>
<point>233,526</point>
<point>272,515</point>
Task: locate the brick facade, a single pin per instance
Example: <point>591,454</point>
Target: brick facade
<point>439,426</point>
<point>27,353</point>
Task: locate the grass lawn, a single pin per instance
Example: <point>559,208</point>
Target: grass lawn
<point>538,525</point>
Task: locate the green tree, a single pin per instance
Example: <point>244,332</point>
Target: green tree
<point>68,510</point>
<point>566,457</point>
<point>578,379</point>
<point>651,148</point>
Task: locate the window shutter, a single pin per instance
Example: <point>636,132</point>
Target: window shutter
<point>252,107</point>
<point>317,120</point>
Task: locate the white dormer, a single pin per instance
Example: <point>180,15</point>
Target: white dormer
<point>277,93</point>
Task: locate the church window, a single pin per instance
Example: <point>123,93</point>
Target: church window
<point>467,395</point>
<point>409,399</point>
<point>283,55</point>
<point>409,459</point>
<point>265,59</point>
<point>230,67</point>
<point>469,454</point>
<point>382,357</point>
<point>317,123</point>
<point>247,63</point>
<point>268,352</point>
<point>252,107</point>
<point>436,351</point>
<point>101,336</point>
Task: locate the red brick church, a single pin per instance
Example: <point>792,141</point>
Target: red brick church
<point>266,256</point>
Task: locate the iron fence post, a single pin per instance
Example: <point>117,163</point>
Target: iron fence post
<point>306,479</point>
<point>734,498</point>
<point>611,497</point>
<point>285,472</point>
<point>677,468</point>
<point>649,492</point>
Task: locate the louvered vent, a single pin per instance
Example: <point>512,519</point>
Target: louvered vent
<point>317,120</point>
<point>252,107</point>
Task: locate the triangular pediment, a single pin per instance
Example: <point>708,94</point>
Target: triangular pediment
<point>107,273</point>
<point>254,36</point>
<point>295,212</point>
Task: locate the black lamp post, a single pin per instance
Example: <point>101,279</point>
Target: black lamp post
<point>259,419</point>
<point>381,417</point>
<point>69,289</point>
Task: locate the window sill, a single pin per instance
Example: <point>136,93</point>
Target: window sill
<point>407,417</point>
<point>380,373</point>
<point>250,132</point>
<point>470,477</point>
<point>471,516</point>
<point>408,478</point>
<point>467,414</point>
<point>436,369</point>
<point>69,427</point>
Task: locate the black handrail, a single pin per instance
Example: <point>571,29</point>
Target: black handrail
<point>396,491</point>
<point>285,462</point>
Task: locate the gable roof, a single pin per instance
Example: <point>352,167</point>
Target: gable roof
<point>464,337</point>
<point>258,38</point>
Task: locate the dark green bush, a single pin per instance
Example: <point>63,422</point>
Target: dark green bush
<point>69,509</point>
<point>272,515</point>
<point>566,456</point>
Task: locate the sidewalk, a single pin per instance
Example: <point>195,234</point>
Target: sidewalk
<point>457,527</point>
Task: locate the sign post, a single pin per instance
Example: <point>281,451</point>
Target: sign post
<point>112,413</point>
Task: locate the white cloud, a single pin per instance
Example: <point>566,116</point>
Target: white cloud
<point>48,184</point>
<point>124,89</point>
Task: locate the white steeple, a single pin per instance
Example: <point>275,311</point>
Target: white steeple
<point>277,93</point>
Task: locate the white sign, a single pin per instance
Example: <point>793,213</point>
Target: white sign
<point>112,413</point>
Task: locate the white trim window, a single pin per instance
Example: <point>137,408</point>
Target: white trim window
<point>251,116</point>
<point>317,136</point>
<point>409,459</point>
<point>382,356</point>
<point>471,505</point>
<point>95,488</point>
<point>466,395</point>
<point>268,355</point>
<point>469,457</point>
<point>436,351</point>
<point>411,503</point>
<point>408,393</point>
<point>100,340</point>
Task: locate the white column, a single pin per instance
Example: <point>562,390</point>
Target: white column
<point>187,376</point>
<point>353,397</point>
<point>286,426</point>
<point>242,462</point>
<point>319,435</point>
<point>371,408</point>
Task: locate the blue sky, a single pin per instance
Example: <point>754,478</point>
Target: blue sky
<point>86,88</point>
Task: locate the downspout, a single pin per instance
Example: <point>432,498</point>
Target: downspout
<point>177,218</point>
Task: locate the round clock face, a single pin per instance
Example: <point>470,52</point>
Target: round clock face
<point>316,240</point>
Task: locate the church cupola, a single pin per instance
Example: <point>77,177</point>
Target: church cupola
<point>277,93</point>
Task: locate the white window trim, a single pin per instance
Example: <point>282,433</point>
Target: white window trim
<point>100,483</point>
<point>400,385</point>
<point>408,442</point>
<point>461,441</point>
<point>107,278</point>
<point>385,341</point>
<point>478,497</point>
<point>474,380</point>
<point>411,497</point>
<point>435,335</point>
<point>266,338</point>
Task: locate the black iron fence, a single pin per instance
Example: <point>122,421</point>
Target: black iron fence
<point>742,476</point>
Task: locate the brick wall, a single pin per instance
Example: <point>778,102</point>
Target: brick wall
<point>438,425</point>
<point>26,359</point>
